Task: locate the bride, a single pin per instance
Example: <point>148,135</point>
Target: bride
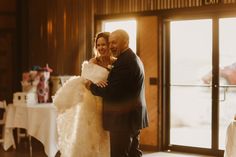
<point>79,119</point>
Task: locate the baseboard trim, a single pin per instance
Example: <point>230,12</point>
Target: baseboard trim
<point>148,147</point>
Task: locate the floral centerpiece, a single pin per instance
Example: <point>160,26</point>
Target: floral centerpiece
<point>36,81</point>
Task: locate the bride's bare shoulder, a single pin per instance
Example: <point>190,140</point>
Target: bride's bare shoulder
<point>93,60</point>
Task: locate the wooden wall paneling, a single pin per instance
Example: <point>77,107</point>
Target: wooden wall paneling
<point>187,3</point>
<point>130,5</point>
<point>126,5</point>
<point>7,43</point>
<point>200,3</point>
<point>157,5</point>
<point>86,30</point>
<point>7,21</point>
<point>142,5</point>
<point>153,5</point>
<point>99,7</point>
<point>64,26</point>
<point>190,3</point>
<point>197,3</point>
<point>148,54</point>
<point>75,34</point>
<point>117,7</point>
<point>60,34</point>
<point>44,44</point>
<point>89,30</point>
<point>168,4</point>
<point>110,6</point>
<point>162,4</point>
<point>49,48</point>
<point>76,37</point>
<point>182,4</point>
<point>149,5</point>
<point>36,37</point>
<point>7,48</point>
<point>171,4</point>
<point>106,6</point>
<point>165,4</point>
<point>121,6</point>
<point>22,36</point>
<point>137,5</point>
<point>8,6</point>
<point>59,45</point>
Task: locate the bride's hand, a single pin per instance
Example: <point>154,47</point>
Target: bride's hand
<point>102,84</point>
<point>87,83</point>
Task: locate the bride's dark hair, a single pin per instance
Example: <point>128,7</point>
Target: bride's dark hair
<point>104,35</point>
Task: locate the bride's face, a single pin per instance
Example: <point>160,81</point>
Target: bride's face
<point>102,47</point>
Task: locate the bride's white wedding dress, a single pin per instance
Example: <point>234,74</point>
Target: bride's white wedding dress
<point>79,119</point>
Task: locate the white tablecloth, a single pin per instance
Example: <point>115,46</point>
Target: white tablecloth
<point>40,122</point>
<point>230,147</point>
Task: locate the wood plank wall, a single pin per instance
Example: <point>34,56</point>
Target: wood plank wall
<point>7,48</point>
<point>148,52</point>
<point>60,34</point>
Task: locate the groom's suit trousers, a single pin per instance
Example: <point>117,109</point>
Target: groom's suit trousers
<point>125,144</point>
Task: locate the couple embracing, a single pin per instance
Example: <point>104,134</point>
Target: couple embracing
<point>102,111</point>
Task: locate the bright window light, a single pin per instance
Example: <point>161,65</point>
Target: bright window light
<point>128,25</point>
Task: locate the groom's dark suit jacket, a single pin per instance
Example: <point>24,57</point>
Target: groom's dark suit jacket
<point>124,104</point>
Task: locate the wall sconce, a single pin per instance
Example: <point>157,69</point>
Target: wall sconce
<point>49,27</point>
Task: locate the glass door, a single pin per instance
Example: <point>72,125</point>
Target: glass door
<point>227,75</point>
<point>190,91</point>
<point>201,83</point>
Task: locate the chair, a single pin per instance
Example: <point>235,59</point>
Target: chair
<point>3,106</point>
<point>21,98</point>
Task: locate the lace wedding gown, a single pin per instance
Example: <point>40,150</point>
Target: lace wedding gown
<point>79,119</point>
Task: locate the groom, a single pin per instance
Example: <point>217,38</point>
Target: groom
<point>124,104</point>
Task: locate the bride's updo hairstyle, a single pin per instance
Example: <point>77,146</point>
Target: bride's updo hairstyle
<point>104,35</point>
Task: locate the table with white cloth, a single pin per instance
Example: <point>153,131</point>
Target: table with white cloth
<point>40,122</point>
<point>230,147</point>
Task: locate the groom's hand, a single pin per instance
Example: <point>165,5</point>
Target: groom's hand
<point>102,84</point>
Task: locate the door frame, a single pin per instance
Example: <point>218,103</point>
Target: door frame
<point>215,82</point>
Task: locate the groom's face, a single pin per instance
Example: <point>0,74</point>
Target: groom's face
<point>116,44</point>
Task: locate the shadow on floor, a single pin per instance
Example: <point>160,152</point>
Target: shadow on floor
<point>22,150</point>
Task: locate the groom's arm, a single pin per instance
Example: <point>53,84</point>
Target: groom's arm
<point>118,82</point>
